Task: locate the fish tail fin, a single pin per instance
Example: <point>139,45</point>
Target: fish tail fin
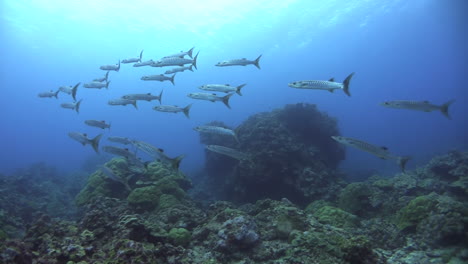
<point>141,55</point>
<point>118,68</point>
<point>56,94</point>
<point>189,52</point>
<point>135,104</point>
<point>226,100</point>
<point>346,84</point>
<point>107,75</point>
<point>175,162</point>
<point>110,124</point>
<point>191,68</point>
<point>160,96</point>
<point>445,107</point>
<point>257,62</point>
<point>172,79</point>
<point>77,106</point>
<point>402,162</point>
<point>238,90</point>
<point>75,88</point>
<point>186,110</point>
<point>107,84</point>
<point>95,142</point>
<point>195,61</point>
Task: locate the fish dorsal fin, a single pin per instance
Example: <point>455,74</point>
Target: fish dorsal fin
<point>102,121</point>
<point>425,101</point>
<point>148,93</point>
<point>244,58</point>
<point>161,74</point>
<point>85,134</point>
<point>126,149</point>
<point>227,84</point>
<point>160,149</point>
<point>331,79</point>
<point>384,148</point>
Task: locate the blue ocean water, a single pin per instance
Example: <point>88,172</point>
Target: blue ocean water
<point>400,50</point>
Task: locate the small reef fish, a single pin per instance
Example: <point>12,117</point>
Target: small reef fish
<point>160,77</point>
<point>49,94</point>
<point>144,63</point>
<point>115,67</point>
<point>173,109</point>
<point>112,176</point>
<point>103,79</point>
<point>181,54</point>
<point>121,140</point>
<point>175,61</point>
<point>179,69</point>
<point>97,123</point>
<point>124,152</point>
<point>224,88</point>
<point>424,106</point>
<point>144,97</point>
<point>228,152</point>
<point>329,85</point>
<point>131,60</point>
<point>83,139</point>
<point>121,101</point>
<point>158,153</point>
<point>211,97</point>
<point>217,130</point>
<point>381,152</point>
<point>70,90</point>
<point>240,62</point>
<point>97,85</point>
<point>73,106</point>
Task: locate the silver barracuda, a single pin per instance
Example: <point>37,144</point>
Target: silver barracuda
<point>70,90</point>
<point>131,60</point>
<point>103,79</point>
<point>98,123</point>
<point>112,176</point>
<point>240,62</point>
<point>173,109</point>
<point>97,85</point>
<point>381,152</point>
<point>124,152</point>
<point>84,140</point>
<point>424,106</point>
<point>115,67</point>
<point>329,85</point>
<point>144,63</point>
<point>144,97</point>
<point>121,140</point>
<point>158,77</point>
<point>121,101</point>
<point>224,88</point>
<point>217,130</point>
<point>181,54</point>
<point>228,152</point>
<point>179,69</point>
<point>157,153</point>
<point>211,97</point>
<point>175,61</point>
<point>49,94</point>
<point>73,106</point>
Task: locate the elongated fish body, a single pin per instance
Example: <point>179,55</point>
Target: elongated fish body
<point>175,61</point>
<point>173,109</point>
<point>211,97</point>
<point>49,94</point>
<point>73,106</point>
<point>112,176</point>
<point>181,54</point>
<point>83,139</point>
<point>381,152</point>
<point>216,130</point>
<point>144,63</point>
<point>115,67</point>
<point>159,77</point>
<point>121,101</point>
<point>97,123</point>
<point>224,88</point>
<point>124,152</point>
<point>179,69</point>
<point>329,85</point>
<point>240,62</point>
<point>228,152</point>
<point>424,106</point>
<point>157,153</point>
<point>70,90</point>
<point>103,79</point>
<point>121,140</point>
<point>96,85</point>
<point>132,60</point>
<point>143,97</point>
